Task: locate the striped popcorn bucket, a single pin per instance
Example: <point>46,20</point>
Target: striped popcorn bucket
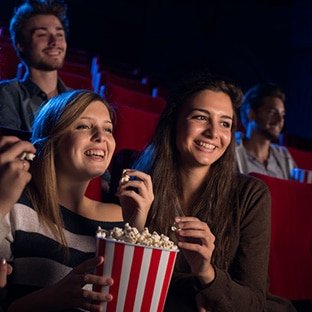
<point>301,175</point>
<point>141,275</point>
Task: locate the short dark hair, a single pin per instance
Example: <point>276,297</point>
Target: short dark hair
<point>253,98</point>
<point>32,8</point>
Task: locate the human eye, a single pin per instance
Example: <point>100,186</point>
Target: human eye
<point>109,130</point>
<point>40,34</point>
<point>61,34</point>
<point>83,127</point>
<point>225,124</point>
<point>199,117</point>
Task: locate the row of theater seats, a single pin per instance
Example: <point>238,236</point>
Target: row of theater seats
<point>290,263</point>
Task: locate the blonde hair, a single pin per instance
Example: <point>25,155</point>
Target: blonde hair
<point>52,122</point>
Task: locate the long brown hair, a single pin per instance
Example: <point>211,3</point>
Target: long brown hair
<point>214,205</point>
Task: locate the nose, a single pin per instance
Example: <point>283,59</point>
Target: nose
<point>279,118</point>
<point>52,40</point>
<point>211,130</point>
<point>98,135</point>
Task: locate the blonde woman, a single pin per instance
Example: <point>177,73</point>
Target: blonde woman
<point>53,225</point>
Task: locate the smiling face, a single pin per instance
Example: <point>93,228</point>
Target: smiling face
<point>269,118</point>
<point>45,43</point>
<point>86,150</point>
<point>204,128</point>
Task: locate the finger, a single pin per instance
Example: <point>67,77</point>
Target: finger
<point>88,265</point>
<point>3,272</point>
<point>15,150</point>
<point>7,140</point>
<point>9,269</point>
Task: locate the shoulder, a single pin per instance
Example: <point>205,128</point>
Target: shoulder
<point>254,199</point>
<point>279,149</point>
<point>246,180</point>
<point>252,187</point>
<point>10,84</point>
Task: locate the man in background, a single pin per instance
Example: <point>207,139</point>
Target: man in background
<point>262,115</point>
<point>38,32</point>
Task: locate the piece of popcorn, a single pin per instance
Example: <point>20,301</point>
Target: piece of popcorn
<point>27,156</point>
<point>124,177</point>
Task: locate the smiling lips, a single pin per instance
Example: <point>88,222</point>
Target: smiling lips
<point>206,145</point>
<point>97,153</point>
<point>53,52</point>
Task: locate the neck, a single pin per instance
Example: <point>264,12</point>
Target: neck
<point>71,194</point>
<point>258,146</point>
<point>45,80</point>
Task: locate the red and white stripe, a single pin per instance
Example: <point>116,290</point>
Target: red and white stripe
<point>141,275</point>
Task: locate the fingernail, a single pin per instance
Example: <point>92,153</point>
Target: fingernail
<point>3,261</point>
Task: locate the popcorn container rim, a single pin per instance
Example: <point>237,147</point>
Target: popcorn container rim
<point>113,240</point>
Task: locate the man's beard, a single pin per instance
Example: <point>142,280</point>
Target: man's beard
<point>49,66</point>
<point>269,135</point>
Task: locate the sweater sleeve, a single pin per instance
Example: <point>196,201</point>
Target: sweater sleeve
<point>4,228</point>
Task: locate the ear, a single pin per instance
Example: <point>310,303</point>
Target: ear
<point>251,115</point>
<point>19,47</point>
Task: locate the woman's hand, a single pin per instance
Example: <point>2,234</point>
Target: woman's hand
<point>70,288</point>
<point>69,293</point>
<point>136,197</point>
<point>14,173</point>
<point>5,270</point>
<point>197,244</point>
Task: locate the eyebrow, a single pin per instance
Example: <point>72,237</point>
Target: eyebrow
<point>32,30</point>
<point>92,119</point>
<point>208,113</point>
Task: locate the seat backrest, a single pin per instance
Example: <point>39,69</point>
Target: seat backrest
<point>135,84</point>
<point>302,158</point>
<point>290,265</point>
<point>11,59</point>
<point>3,67</point>
<point>134,127</point>
<point>292,140</point>
<point>119,95</point>
<point>76,81</point>
<point>77,68</point>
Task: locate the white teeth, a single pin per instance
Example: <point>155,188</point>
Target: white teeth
<point>53,52</point>
<point>98,153</point>
<point>206,145</point>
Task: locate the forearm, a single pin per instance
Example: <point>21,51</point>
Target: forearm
<point>44,299</point>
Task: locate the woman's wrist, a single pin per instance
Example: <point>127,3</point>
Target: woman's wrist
<point>202,282</point>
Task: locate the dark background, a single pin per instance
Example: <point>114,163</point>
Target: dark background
<point>250,41</point>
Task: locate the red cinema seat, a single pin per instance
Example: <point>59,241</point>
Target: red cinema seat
<point>136,84</point>
<point>119,95</point>
<point>302,158</point>
<point>76,81</point>
<point>290,264</point>
<point>134,127</point>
